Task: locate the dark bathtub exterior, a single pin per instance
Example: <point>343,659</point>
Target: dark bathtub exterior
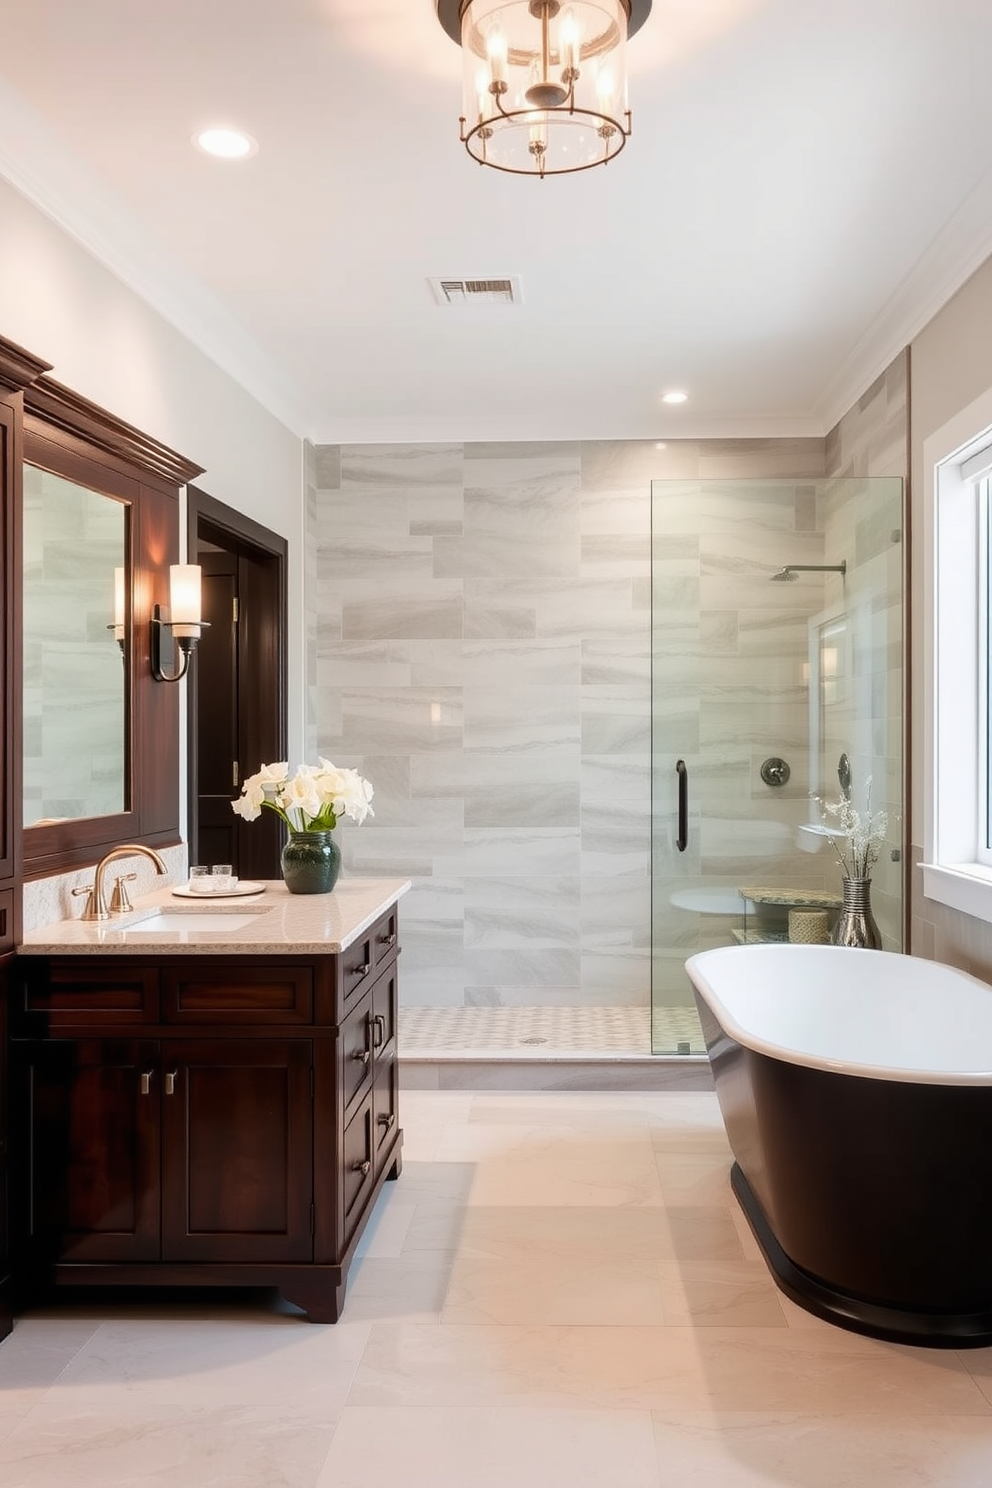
<point>870,1198</point>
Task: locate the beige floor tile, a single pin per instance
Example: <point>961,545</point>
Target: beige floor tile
<point>487,1448</point>
<point>584,1171</point>
<point>389,1224</point>
<point>554,1292</point>
<point>695,1178</point>
<point>719,1294</point>
<point>409,1288</point>
<point>511,1365</point>
<point>667,1368</point>
<point>34,1356</point>
<point>278,1360</point>
<point>740,1450</point>
<point>836,1372</point>
<point>122,1443</point>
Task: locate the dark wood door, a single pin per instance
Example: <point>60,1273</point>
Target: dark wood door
<point>237,1169</point>
<point>238,682</point>
<point>90,1139</point>
<point>217,764</point>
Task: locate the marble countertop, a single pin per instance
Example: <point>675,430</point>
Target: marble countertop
<point>271,923</point>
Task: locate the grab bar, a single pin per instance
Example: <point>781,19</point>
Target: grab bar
<point>682,840</point>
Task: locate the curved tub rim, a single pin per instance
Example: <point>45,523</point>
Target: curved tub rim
<point>696,970</point>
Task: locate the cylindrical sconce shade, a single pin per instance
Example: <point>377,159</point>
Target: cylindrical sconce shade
<point>120,605</point>
<point>185,611</point>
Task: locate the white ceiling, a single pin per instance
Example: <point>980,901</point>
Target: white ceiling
<point>807,182</point>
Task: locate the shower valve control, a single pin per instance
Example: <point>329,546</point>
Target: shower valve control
<point>775,772</point>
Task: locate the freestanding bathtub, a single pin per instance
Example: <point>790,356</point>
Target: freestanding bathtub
<point>856,1090</point>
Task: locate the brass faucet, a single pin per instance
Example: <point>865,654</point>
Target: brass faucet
<point>96,904</point>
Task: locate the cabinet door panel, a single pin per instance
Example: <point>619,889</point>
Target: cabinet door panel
<point>91,1114</point>
<point>358,1165</point>
<point>237,1173</point>
<point>356,1056</point>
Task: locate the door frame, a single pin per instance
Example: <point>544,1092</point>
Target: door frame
<point>205,515</point>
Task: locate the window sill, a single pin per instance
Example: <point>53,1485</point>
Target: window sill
<point>963,886</point>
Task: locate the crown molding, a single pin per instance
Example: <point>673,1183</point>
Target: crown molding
<point>958,250</point>
<point>37,164</point>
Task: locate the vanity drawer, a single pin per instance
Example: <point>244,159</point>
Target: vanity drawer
<point>82,996</point>
<point>355,964</point>
<point>385,935</point>
<point>356,1036</point>
<point>250,994</point>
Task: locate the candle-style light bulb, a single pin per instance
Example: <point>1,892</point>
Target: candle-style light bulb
<point>569,45</point>
<point>120,606</point>
<point>497,52</point>
<point>185,612</point>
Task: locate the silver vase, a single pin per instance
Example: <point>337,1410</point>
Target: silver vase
<point>856,924</point>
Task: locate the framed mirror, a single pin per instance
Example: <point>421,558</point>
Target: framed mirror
<point>99,747</point>
<point>76,574</point>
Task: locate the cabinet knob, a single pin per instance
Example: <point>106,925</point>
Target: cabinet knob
<point>387,1120</point>
<point>362,1055</point>
<point>361,1167</point>
<point>388,940</point>
<point>360,971</point>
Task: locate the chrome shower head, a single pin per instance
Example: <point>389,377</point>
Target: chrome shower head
<point>791,571</point>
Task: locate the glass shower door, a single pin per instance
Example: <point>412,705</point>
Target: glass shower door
<point>776,673</point>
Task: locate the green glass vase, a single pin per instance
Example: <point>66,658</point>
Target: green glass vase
<point>311,862</point>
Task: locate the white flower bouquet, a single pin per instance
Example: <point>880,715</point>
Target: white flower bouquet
<point>312,800</point>
<point>862,832</point>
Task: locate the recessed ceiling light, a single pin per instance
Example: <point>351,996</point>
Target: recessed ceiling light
<point>674,397</point>
<point>225,144</point>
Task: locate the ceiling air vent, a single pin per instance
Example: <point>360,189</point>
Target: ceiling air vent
<point>476,291</point>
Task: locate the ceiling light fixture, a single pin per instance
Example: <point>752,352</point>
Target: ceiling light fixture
<point>225,144</point>
<point>675,397</point>
<point>545,82</point>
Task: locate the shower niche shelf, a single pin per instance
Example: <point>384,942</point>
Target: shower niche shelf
<point>765,915</point>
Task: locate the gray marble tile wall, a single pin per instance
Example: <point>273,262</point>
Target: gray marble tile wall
<point>872,439</point>
<point>483,644</point>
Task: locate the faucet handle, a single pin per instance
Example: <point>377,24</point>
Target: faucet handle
<point>91,911</point>
<point>120,902</point>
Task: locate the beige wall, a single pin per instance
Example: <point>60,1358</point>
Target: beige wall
<point>951,361</point>
<point>107,343</point>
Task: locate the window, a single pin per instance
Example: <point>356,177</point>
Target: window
<point>957,868</point>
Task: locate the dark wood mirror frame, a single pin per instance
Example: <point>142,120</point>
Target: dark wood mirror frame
<point>75,438</point>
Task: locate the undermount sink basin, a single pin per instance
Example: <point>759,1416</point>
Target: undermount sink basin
<point>169,922</point>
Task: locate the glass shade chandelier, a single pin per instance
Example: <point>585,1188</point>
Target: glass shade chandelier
<point>544,81</point>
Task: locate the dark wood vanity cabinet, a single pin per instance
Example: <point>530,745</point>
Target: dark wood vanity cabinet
<point>207,1120</point>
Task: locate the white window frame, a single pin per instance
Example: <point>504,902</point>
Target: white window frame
<point>956,459</point>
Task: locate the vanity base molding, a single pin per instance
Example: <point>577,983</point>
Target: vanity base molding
<point>317,1290</point>
<point>203,1120</point>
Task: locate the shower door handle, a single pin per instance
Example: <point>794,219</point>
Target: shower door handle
<point>682,840</point>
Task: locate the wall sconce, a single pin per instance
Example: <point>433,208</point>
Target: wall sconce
<point>184,622</point>
<point>120,609</point>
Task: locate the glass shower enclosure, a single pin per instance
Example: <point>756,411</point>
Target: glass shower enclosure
<point>776,687</point>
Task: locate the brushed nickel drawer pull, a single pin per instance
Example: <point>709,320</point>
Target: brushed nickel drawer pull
<point>146,1082</point>
<point>170,1082</point>
<point>361,1167</point>
<point>378,1031</point>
